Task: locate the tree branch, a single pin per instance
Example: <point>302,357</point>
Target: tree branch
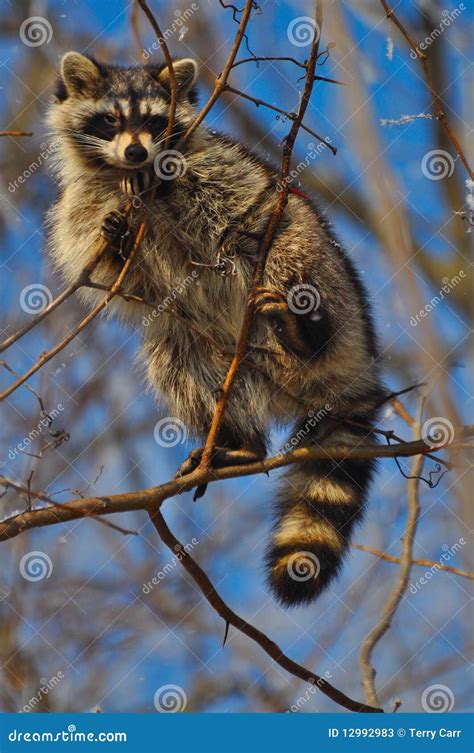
<point>230,617</point>
<point>406,561</point>
<point>153,497</point>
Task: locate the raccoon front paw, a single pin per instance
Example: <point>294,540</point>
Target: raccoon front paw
<point>115,230</point>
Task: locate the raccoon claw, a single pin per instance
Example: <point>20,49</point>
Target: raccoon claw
<point>270,303</point>
<point>115,227</point>
<point>137,183</point>
<point>274,305</point>
<point>190,464</point>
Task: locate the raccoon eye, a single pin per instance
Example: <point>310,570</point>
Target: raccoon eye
<point>110,118</point>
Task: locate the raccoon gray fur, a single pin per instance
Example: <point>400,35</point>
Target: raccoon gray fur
<point>312,342</point>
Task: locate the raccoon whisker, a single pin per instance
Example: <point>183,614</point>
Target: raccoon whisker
<point>158,139</point>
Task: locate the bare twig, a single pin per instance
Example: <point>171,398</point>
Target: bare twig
<point>221,80</point>
<point>153,497</point>
<point>169,62</point>
<point>286,113</point>
<point>45,357</point>
<point>16,133</point>
<point>230,617</point>
<point>406,561</point>
<point>438,106</point>
<point>264,248</point>
<point>419,563</point>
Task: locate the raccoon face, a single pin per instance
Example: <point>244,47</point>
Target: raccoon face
<point>117,117</point>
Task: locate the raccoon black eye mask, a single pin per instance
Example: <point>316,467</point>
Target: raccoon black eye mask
<point>317,358</point>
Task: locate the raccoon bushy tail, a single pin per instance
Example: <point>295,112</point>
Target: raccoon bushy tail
<point>319,502</point>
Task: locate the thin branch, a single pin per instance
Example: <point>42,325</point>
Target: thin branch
<point>221,80</point>
<point>440,114</point>
<point>82,280</point>
<point>153,497</point>
<point>45,357</point>
<point>286,113</point>
<point>419,563</point>
<point>169,62</point>
<point>285,58</point>
<point>16,133</point>
<point>264,248</point>
<point>230,617</point>
<point>406,560</point>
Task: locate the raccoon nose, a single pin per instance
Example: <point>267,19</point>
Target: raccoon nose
<point>136,153</point>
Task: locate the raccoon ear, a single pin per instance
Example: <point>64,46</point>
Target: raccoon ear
<point>185,71</point>
<point>79,74</point>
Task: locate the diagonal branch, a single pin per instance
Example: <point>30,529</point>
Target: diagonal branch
<point>231,618</point>
<point>265,246</point>
<point>438,106</point>
<point>114,290</point>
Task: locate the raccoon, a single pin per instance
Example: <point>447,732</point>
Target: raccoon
<point>313,360</point>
